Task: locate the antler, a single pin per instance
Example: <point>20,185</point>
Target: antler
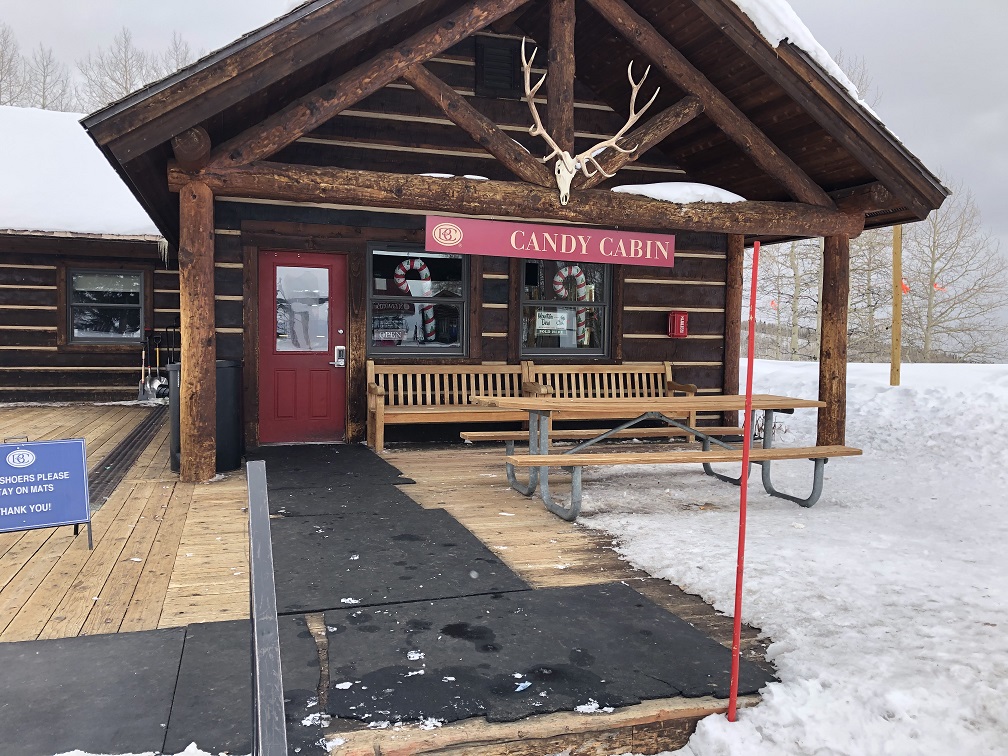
<point>566,166</point>
<point>582,159</point>
<point>537,128</point>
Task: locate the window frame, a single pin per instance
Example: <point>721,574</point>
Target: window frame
<point>603,304</point>
<point>463,304</point>
<point>66,341</point>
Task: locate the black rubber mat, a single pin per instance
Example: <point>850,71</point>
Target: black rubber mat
<point>97,693</point>
<point>330,561</point>
<point>213,697</point>
<point>340,498</point>
<point>323,465</point>
<point>518,654</point>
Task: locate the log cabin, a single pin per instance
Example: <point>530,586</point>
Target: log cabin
<point>303,171</point>
<point>81,271</point>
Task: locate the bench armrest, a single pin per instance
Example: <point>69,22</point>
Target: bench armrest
<point>686,388</point>
<point>374,389</point>
<point>531,388</point>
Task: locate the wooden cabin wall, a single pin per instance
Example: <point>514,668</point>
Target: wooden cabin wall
<point>36,362</point>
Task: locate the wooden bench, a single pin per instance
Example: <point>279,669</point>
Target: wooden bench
<point>631,380</point>
<point>409,394</point>
<point>707,456</point>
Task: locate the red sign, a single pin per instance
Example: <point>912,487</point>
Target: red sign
<point>678,324</point>
<point>469,236</point>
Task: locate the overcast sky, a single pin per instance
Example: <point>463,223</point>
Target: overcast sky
<point>937,63</point>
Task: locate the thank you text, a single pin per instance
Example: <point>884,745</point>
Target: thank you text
<point>43,484</point>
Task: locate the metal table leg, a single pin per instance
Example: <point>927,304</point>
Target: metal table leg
<point>535,447</point>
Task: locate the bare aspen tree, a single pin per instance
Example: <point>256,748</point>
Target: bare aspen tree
<point>13,78</point>
<point>111,73</point>
<point>870,303</point>
<point>958,284</point>
<point>178,55</point>
<point>49,84</point>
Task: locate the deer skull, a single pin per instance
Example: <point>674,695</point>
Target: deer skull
<point>567,165</point>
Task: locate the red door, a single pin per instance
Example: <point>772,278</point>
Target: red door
<point>302,347</point>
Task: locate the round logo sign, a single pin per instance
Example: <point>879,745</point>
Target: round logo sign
<point>447,234</point>
<point>20,458</point>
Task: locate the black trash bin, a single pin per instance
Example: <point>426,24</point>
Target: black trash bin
<point>230,441</point>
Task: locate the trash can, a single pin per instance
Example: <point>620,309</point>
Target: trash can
<point>230,441</point>
<point>230,446</point>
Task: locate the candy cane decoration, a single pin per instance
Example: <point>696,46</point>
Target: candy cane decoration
<point>581,293</point>
<point>427,310</point>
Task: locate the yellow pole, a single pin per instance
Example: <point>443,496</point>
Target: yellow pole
<point>897,304</point>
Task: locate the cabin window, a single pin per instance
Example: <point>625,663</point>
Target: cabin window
<point>417,303</point>
<point>105,306</point>
<point>498,68</point>
<point>565,309</point>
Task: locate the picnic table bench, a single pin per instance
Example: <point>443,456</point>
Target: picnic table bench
<point>539,460</point>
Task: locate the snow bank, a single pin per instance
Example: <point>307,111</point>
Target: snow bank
<point>54,178</point>
<point>886,602</point>
<point>682,192</point>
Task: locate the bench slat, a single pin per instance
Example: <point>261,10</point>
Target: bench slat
<point>586,433</point>
<point>757,454</point>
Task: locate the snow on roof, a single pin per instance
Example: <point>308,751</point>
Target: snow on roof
<point>53,178</point>
<point>682,192</point>
<point>777,21</point>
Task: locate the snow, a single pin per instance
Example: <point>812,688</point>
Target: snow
<point>777,21</point>
<point>886,602</point>
<point>682,192</point>
<point>54,179</point>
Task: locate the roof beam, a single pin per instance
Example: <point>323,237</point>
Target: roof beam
<point>484,131</point>
<point>867,198</point>
<point>642,139</point>
<point>560,65</point>
<point>732,121</point>
<point>310,184</point>
<point>315,108</point>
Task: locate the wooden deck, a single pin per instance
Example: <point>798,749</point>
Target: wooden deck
<point>165,553</point>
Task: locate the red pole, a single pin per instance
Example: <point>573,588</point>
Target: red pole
<point>746,443</point>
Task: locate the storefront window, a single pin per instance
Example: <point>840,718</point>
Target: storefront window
<point>106,306</point>
<point>417,303</point>
<point>565,308</point>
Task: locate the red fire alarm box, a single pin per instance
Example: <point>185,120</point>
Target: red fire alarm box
<point>678,324</point>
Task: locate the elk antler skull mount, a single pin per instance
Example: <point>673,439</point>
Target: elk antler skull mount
<point>567,165</point>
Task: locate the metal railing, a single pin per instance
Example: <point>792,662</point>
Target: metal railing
<point>269,730</point>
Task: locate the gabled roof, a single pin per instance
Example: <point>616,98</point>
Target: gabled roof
<point>786,92</point>
<point>54,180</point>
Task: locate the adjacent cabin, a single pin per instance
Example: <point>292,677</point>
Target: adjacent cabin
<point>361,182</point>
<point>78,266</point>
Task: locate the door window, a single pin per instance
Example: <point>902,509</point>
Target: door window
<point>302,309</point>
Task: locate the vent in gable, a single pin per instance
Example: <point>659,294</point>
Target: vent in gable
<point>498,68</point>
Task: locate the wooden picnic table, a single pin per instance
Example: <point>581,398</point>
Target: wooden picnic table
<point>543,410</point>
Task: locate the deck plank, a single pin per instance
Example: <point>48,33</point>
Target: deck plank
<point>144,610</point>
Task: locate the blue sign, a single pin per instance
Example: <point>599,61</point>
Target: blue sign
<point>43,484</point>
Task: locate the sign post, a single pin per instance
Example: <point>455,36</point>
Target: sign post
<point>43,484</point>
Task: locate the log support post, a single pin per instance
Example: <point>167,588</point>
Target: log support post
<point>833,341</point>
<point>198,387</point>
<point>733,321</point>
<point>560,100</point>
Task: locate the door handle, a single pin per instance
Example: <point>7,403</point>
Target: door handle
<point>339,357</point>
